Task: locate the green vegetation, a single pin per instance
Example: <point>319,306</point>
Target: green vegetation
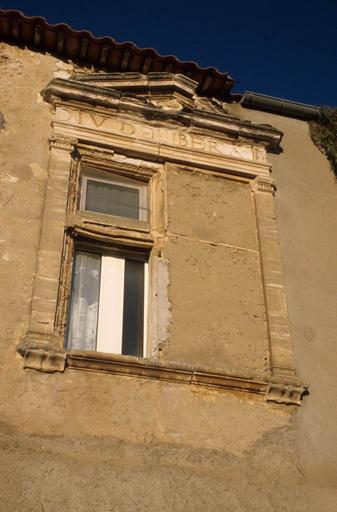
<point>324,135</point>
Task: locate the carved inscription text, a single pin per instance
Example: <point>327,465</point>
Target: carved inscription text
<point>157,135</point>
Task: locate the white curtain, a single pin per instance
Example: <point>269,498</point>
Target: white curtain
<point>82,332</point>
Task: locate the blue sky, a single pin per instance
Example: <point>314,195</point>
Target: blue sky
<point>286,49</point>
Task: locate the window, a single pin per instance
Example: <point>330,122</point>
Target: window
<point>108,300</point>
<point>108,303</point>
<point>109,194</point>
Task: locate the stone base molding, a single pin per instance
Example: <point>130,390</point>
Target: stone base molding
<point>51,361</point>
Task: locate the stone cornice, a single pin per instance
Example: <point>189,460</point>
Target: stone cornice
<point>50,361</point>
<point>152,83</point>
<point>83,93</point>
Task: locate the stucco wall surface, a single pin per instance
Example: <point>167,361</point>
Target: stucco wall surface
<point>23,173</point>
<point>217,306</point>
<point>83,441</point>
<point>306,202</point>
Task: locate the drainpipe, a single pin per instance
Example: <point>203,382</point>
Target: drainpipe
<point>279,106</point>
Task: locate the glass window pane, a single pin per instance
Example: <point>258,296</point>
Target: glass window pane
<point>133,317</point>
<point>82,330</point>
<point>112,199</point>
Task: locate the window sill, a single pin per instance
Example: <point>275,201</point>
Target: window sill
<point>58,361</point>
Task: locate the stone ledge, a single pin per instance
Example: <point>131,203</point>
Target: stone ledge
<point>161,370</point>
<point>51,361</point>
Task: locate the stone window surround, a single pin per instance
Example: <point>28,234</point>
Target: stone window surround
<point>89,228</point>
<point>43,347</point>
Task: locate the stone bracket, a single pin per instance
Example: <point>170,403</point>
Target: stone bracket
<point>285,393</point>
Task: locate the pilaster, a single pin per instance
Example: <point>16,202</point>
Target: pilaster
<point>52,234</point>
<point>281,355</point>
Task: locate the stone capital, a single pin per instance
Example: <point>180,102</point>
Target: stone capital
<point>264,185</point>
<point>61,142</point>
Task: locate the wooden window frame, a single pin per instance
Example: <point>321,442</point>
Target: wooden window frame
<point>116,312</point>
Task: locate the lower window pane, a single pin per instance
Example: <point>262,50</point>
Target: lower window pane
<point>82,331</point>
<point>133,314</point>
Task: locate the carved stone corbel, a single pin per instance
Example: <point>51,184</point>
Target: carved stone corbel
<point>48,361</point>
<point>284,393</point>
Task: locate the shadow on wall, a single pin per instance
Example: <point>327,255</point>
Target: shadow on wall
<point>2,121</point>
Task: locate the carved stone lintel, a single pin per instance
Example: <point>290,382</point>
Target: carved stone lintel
<point>107,234</point>
<point>284,393</point>
<point>62,142</point>
<point>264,185</point>
<point>45,360</point>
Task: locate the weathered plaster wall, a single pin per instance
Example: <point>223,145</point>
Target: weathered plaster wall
<point>306,201</point>
<point>23,175</point>
<point>85,442</point>
<point>218,312</point>
<point>82,441</point>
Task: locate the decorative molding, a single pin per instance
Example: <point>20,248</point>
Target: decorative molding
<point>61,142</point>
<point>185,374</point>
<point>264,185</point>
<point>64,288</point>
<point>285,393</point>
<point>162,370</point>
<point>48,361</point>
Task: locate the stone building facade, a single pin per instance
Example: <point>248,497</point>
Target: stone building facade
<point>167,307</point>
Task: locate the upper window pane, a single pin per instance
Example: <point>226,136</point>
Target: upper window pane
<point>104,192</point>
<point>112,199</point>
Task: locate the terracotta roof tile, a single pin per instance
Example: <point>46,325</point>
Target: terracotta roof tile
<point>104,52</point>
